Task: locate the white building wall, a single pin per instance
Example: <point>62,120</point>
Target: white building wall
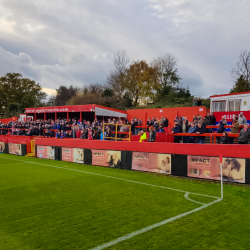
<point>243,98</point>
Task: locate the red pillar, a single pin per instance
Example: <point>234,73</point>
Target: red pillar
<point>67,116</point>
<point>35,117</point>
<point>44,116</point>
<point>80,116</point>
<point>55,116</point>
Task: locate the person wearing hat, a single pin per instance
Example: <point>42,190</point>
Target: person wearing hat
<point>242,119</point>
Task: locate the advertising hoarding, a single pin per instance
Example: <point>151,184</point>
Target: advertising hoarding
<point>106,158</point>
<point>206,167</point>
<point>151,162</point>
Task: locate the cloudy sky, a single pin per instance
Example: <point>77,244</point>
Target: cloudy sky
<point>72,42</point>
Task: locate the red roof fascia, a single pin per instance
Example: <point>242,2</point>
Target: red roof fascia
<point>239,93</point>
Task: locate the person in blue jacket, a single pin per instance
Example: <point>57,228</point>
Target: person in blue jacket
<point>176,129</point>
<point>200,130</point>
<point>192,129</point>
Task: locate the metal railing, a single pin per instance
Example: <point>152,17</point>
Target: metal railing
<point>117,132</point>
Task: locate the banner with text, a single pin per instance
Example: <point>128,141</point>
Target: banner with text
<point>209,168</point>
<point>73,155</point>
<point>158,163</point>
<point>15,149</point>
<point>46,152</point>
<point>106,158</point>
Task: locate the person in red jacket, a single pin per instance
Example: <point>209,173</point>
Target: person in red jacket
<point>78,133</point>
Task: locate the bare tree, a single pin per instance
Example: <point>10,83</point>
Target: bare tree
<point>116,77</point>
<point>242,68</point>
<point>166,68</point>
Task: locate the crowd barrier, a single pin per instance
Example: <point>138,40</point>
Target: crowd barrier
<point>188,160</point>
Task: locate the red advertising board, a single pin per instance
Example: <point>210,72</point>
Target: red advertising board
<point>73,155</point>
<point>209,168</point>
<point>158,163</point>
<point>106,158</point>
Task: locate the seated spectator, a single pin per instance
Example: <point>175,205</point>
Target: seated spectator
<point>70,134</point>
<point>192,130</point>
<point>234,129</point>
<point>47,133</point>
<point>156,126</point>
<point>161,129</point>
<point>176,129</point>
<point>244,135</point>
<point>62,135</point>
<point>225,138</point>
<point>143,135</point>
<point>58,135</point>
<point>200,130</point>
<point>83,136</point>
<point>152,135</point>
<point>222,125</point>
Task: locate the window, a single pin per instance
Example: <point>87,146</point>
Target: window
<point>219,106</point>
<point>234,105</point>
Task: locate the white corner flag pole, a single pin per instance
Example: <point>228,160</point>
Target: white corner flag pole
<point>221,177</point>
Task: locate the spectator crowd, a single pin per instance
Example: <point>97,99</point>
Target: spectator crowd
<point>61,128</point>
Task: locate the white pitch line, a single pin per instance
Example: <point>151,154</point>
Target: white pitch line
<point>145,229</point>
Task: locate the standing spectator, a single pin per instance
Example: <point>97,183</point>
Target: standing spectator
<point>234,128</point>
<point>244,135</point>
<point>200,130</point>
<point>242,119</point>
<point>222,124</point>
<point>192,129</point>
<point>176,129</point>
<point>184,130</point>
<point>165,122</point>
<point>195,119</point>
<point>136,124</point>
<point>212,121</point>
<point>132,127</point>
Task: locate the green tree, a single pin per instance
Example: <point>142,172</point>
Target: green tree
<point>18,93</point>
<point>241,85</point>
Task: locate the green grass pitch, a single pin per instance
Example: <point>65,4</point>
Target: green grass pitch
<point>47,204</point>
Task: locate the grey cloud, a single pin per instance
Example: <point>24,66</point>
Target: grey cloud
<point>72,43</point>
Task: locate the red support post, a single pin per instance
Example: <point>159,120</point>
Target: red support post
<point>55,116</point>
<point>67,116</point>
<point>44,116</point>
<point>35,117</point>
<point>80,116</point>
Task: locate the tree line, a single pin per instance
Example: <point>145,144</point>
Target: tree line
<point>129,84</point>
